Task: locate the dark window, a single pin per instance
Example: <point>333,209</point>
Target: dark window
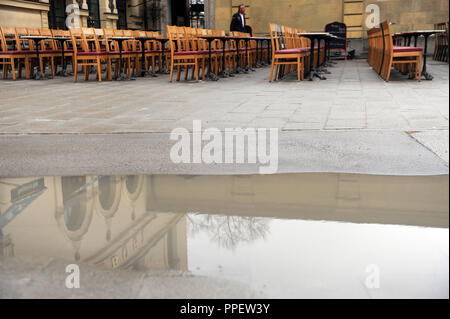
<point>180,13</point>
<point>122,10</point>
<point>57,14</point>
<point>197,13</point>
<point>94,13</point>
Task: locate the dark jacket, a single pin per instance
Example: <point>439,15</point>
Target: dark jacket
<point>236,23</point>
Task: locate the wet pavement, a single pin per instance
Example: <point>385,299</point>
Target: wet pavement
<point>45,124</point>
<point>352,98</point>
<point>360,211</point>
<point>287,235</point>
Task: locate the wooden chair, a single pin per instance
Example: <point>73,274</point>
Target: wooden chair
<point>182,54</point>
<point>412,56</point>
<point>441,42</point>
<point>68,50</point>
<point>283,55</point>
<point>152,51</point>
<point>48,49</point>
<point>11,51</point>
<point>87,52</point>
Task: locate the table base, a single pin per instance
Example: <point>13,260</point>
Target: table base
<point>427,76</point>
<point>41,76</point>
<point>64,73</point>
<point>224,74</point>
<point>211,77</point>
<point>123,77</point>
<point>316,74</point>
<point>322,69</point>
<point>143,73</point>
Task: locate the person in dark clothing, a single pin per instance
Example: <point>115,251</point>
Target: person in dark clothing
<point>238,21</point>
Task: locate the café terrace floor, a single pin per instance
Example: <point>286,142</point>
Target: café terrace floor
<point>353,99</point>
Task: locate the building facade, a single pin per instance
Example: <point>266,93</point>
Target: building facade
<point>121,14</point>
<point>314,14</point>
<point>216,14</point>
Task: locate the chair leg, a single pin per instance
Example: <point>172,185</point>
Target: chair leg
<point>99,70</point>
<point>419,67</point>
<point>271,69</point>
<point>13,70</point>
<point>42,64</point>
<point>179,72</point>
<point>277,68</point>
<point>19,65</point>
<point>196,70</point>
<point>5,71</point>
<point>75,70</point>
<point>52,62</point>
<point>203,69</point>
<point>171,72</point>
<point>298,69</point>
<point>108,69</point>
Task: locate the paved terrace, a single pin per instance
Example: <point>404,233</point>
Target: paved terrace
<point>353,100</point>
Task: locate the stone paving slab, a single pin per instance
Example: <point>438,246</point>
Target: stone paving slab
<point>353,98</point>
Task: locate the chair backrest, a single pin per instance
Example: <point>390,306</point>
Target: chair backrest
<point>277,37</point>
<point>23,44</point>
<point>10,41</point>
<point>77,35</point>
<point>387,49</point>
<point>177,39</point>
<point>47,44</point>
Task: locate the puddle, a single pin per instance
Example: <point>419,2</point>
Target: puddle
<point>287,235</point>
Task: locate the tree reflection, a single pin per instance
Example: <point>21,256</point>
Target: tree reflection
<point>229,231</point>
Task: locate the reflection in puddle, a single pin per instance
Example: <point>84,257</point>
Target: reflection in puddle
<point>262,231</point>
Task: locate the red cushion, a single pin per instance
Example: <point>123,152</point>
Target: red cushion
<point>292,51</point>
<point>91,53</point>
<point>49,51</point>
<point>12,52</point>
<point>407,49</point>
<point>158,51</point>
<point>189,52</point>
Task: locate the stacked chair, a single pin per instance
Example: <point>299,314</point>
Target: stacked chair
<point>14,52</point>
<point>383,55</point>
<point>88,48</point>
<point>441,43</point>
<point>92,50</point>
<point>189,51</point>
<point>290,52</point>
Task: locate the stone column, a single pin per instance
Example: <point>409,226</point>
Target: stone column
<point>210,14</point>
<point>108,14</point>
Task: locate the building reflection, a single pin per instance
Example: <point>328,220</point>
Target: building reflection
<point>141,221</point>
<point>100,220</point>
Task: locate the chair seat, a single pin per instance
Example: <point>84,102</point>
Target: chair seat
<point>292,51</point>
<point>91,53</point>
<point>13,52</point>
<point>407,49</point>
<point>49,51</point>
<point>190,52</point>
<point>157,51</point>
